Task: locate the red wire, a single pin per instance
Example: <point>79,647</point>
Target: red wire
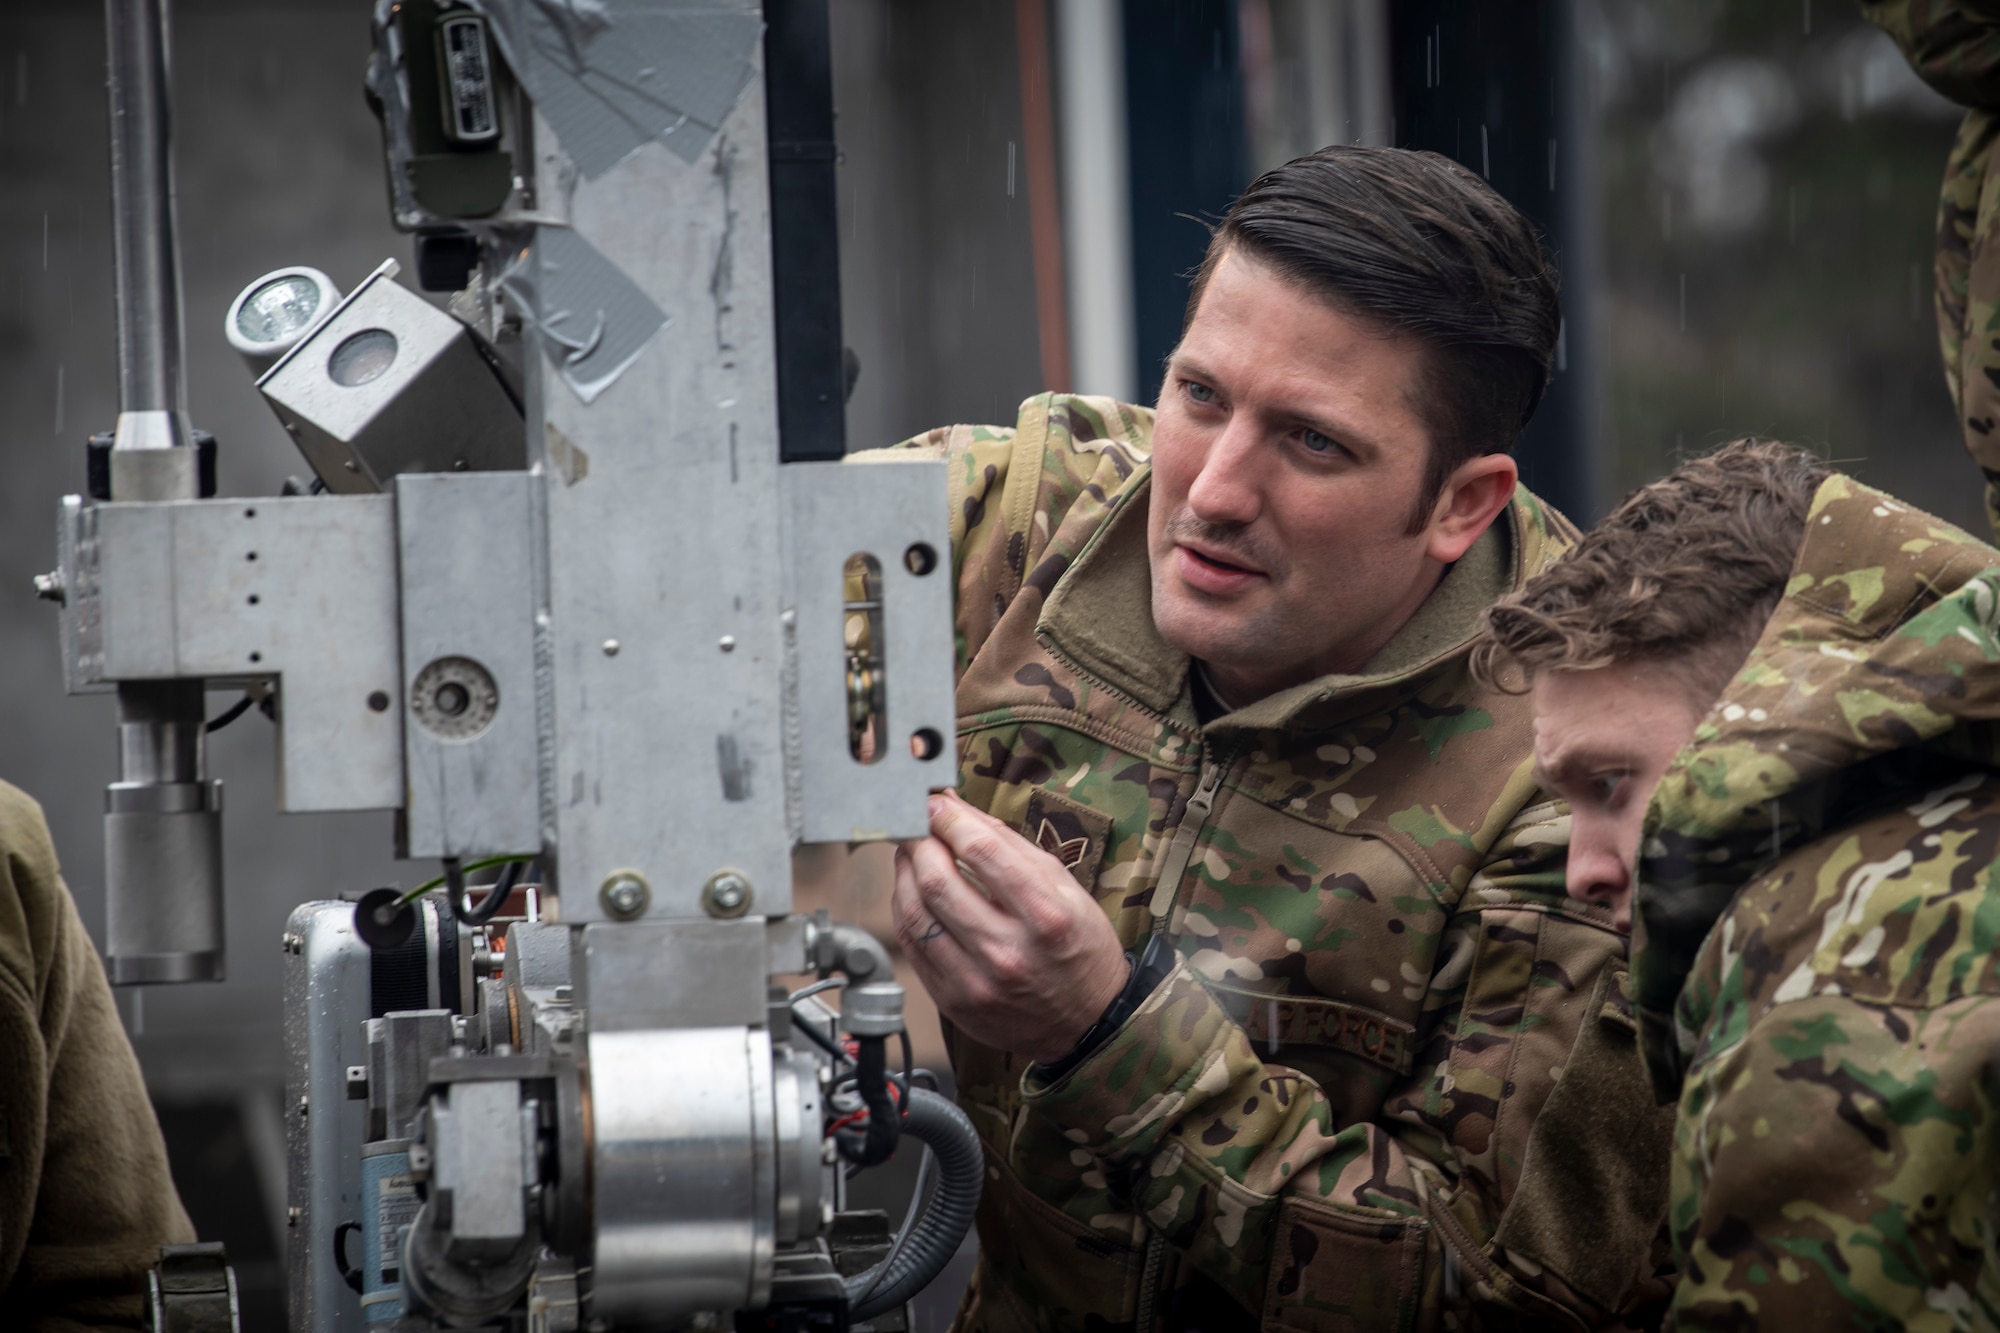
<point>861,1116</point>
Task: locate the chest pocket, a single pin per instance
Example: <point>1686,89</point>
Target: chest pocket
<point>1275,1022</point>
<point>1075,835</point>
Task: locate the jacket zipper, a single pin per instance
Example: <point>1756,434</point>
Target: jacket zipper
<point>1173,866</point>
<point>1152,1277</point>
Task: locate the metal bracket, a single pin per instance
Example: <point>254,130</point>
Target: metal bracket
<point>302,590</point>
<point>895,512</point>
<point>468,632</point>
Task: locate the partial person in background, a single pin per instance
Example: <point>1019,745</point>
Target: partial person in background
<point>86,1200</point>
<point>1802,677</point>
<point>1954,46</point>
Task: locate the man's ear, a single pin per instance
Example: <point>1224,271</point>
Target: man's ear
<point>1472,498</point>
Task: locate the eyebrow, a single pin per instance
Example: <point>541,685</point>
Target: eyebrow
<point>1339,432</point>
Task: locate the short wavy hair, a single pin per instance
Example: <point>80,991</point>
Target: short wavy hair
<point>1687,568</point>
<point>1414,244</point>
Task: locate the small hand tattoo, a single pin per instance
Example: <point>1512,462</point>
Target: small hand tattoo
<point>937,929</point>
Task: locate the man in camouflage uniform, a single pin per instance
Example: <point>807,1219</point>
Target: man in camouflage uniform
<point>1365,1066</point>
<point>1817,961</point>
<point>1954,46</point>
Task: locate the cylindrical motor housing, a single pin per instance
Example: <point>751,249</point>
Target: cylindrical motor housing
<point>704,1156</point>
<point>162,842</point>
<point>163,882</point>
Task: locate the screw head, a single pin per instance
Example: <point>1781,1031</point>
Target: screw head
<point>726,894</point>
<point>49,587</point>
<point>625,894</point>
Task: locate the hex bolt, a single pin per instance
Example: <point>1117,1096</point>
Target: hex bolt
<point>49,587</point>
<point>727,893</point>
<point>625,894</point>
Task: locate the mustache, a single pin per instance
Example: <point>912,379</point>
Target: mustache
<point>1233,542</point>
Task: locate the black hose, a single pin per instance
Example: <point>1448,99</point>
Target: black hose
<point>916,1260</point>
<point>871,1080</point>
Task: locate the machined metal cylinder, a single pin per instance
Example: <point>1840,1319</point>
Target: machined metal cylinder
<point>684,1163</point>
<point>162,842</point>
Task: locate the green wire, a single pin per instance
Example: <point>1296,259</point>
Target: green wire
<point>487,864</point>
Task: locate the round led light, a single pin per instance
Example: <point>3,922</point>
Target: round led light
<point>362,357</point>
<point>276,313</point>
<point>278,309</point>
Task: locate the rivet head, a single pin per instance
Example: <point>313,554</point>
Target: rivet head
<point>625,894</point>
<point>727,643</point>
<point>611,647</point>
<point>726,894</point>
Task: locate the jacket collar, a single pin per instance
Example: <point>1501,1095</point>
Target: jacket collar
<point>1100,617</point>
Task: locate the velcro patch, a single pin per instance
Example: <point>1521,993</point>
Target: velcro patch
<point>1067,831</point>
<point>1311,1020</point>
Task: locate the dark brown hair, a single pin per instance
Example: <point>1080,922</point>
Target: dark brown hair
<point>1688,567</point>
<point>1415,245</point>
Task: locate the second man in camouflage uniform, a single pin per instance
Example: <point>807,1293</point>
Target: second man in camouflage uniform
<point>1817,964</point>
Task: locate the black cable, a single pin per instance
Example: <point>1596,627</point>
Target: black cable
<point>885,1119</point>
<point>230,714</point>
<point>489,906</point>
<point>904,1081</point>
<point>803,1024</point>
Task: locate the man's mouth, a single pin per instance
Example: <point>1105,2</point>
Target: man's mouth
<point>1214,563</point>
<point>1211,572</point>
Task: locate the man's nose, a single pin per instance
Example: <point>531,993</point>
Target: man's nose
<point>1597,874</point>
<point>1226,490</point>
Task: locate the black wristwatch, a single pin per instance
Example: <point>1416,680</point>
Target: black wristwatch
<point>1149,968</point>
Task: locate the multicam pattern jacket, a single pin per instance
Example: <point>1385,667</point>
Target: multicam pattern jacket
<point>1954,46</point>
<point>1834,1037</point>
<point>1393,1081</point>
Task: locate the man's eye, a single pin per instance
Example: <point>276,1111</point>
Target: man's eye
<point>1317,442</point>
<point>1200,393</point>
<point>1606,785</point>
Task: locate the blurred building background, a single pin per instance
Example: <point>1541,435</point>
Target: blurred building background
<point>1739,196</point>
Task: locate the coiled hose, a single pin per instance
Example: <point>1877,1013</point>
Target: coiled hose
<point>919,1257</point>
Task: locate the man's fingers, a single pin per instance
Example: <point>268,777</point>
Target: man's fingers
<point>942,891</point>
<point>927,942</point>
<point>1019,876</point>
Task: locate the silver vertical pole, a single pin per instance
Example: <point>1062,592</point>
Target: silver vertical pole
<point>152,382</point>
<point>163,819</point>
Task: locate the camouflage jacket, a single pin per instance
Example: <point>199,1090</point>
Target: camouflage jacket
<point>1834,1038</point>
<point>1347,1108</point>
<point>1954,46</point>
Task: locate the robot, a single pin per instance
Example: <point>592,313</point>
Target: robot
<point>580,589</point>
